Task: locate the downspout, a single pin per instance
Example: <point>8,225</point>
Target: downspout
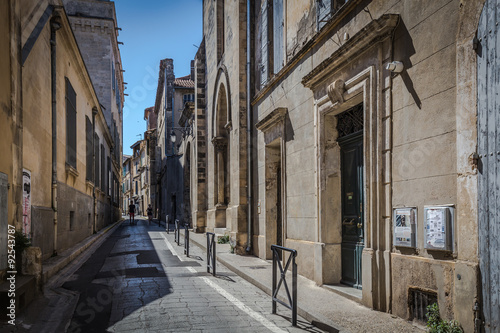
<point>54,26</point>
<point>249,135</point>
<point>94,224</point>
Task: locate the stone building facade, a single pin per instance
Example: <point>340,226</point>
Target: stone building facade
<point>57,156</point>
<point>96,30</point>
<point>173,105</point>
<point>364,122</point>
<point>126,183</point>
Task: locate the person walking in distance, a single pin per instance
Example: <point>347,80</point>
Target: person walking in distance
<point>150,214</point>
<point>131,212</point>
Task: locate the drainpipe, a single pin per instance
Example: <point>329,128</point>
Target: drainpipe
<point>249,136</point>
<point>94,224</point>
<point>54,26</point>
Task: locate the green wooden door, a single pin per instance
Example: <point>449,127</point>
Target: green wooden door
<point>351,147</point>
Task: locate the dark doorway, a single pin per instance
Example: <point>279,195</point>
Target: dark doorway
<point>351,158</point>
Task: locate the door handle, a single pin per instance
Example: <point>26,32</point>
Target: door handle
<point>351,222</point>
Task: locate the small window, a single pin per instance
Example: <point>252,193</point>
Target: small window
<point>220,29</point>
<point>71,220</point>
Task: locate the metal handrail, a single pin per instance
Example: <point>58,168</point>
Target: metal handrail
<point>211,254</point>
<point>186,239</point>
<point>292,300</point>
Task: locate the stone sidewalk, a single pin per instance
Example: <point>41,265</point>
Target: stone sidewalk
<point>324,308</point>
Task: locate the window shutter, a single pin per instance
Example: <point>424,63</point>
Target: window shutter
<point>88,134</point>
<point>70,125</point>
<point>103,169</point>
<point>278,26</point>
<point>96,152</point>
<point>264,47</point>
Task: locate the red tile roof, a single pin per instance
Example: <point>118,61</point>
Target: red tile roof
<point>184,81</point>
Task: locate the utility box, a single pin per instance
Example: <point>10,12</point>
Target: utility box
<point>438,227</point>
<point>405,227</point>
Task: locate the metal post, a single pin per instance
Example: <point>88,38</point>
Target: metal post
<point>214,257</point>
<point>274,279</point>
<point>167,224</point>
<point>208,252</point>
<point>186,240</point>
<point>294,292</point>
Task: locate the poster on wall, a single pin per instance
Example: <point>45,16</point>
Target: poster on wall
<point>404,227</point>
<point>27,203</point>
<point>439,227</point>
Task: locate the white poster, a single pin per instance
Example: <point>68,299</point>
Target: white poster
<point>404,227</point>
<point>27,203</point>
<point>436,231</point>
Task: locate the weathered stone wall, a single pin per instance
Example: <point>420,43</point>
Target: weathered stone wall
<point>226,76</point>
<point>74,193</point>
<point>75,216</point>
<point>412,147</point>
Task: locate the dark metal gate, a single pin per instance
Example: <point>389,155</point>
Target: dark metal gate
<point>488,86</point>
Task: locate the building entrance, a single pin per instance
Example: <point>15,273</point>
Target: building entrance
<point>351,156</point>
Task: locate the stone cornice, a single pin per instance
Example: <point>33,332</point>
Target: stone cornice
<point>273,118</point>
<point>374,32</point>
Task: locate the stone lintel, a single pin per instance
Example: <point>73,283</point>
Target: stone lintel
<point>273,118</point>
<point>374,32</point>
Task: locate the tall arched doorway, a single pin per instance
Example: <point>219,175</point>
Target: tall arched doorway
<point>221,153</point>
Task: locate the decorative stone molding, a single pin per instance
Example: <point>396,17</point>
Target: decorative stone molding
<point>220,143</point>
<point>373,33</point>
<point>272,119</point>
<point>336,91</point>
<point>70,171</point>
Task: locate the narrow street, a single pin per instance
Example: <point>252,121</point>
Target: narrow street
<point>138,280</point>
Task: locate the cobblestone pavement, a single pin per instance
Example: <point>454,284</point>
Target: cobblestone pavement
<point>139,280</point>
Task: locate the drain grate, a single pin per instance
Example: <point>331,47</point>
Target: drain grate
<point>418,300</point>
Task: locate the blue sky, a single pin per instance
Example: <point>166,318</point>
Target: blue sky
<point>153,30</point>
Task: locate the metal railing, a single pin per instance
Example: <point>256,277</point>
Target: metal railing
<point>211,254</point>
<point>177,233</point>
<point>292,300</point>
<point>186,239</point>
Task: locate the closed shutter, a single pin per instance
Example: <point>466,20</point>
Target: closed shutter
<point>70,125</point>
<point>96,167</point>
<point>103,169</point>
<point>109,176</point>
<point>89,150</point>
<point>278,26</point>
<point>264,47</point>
